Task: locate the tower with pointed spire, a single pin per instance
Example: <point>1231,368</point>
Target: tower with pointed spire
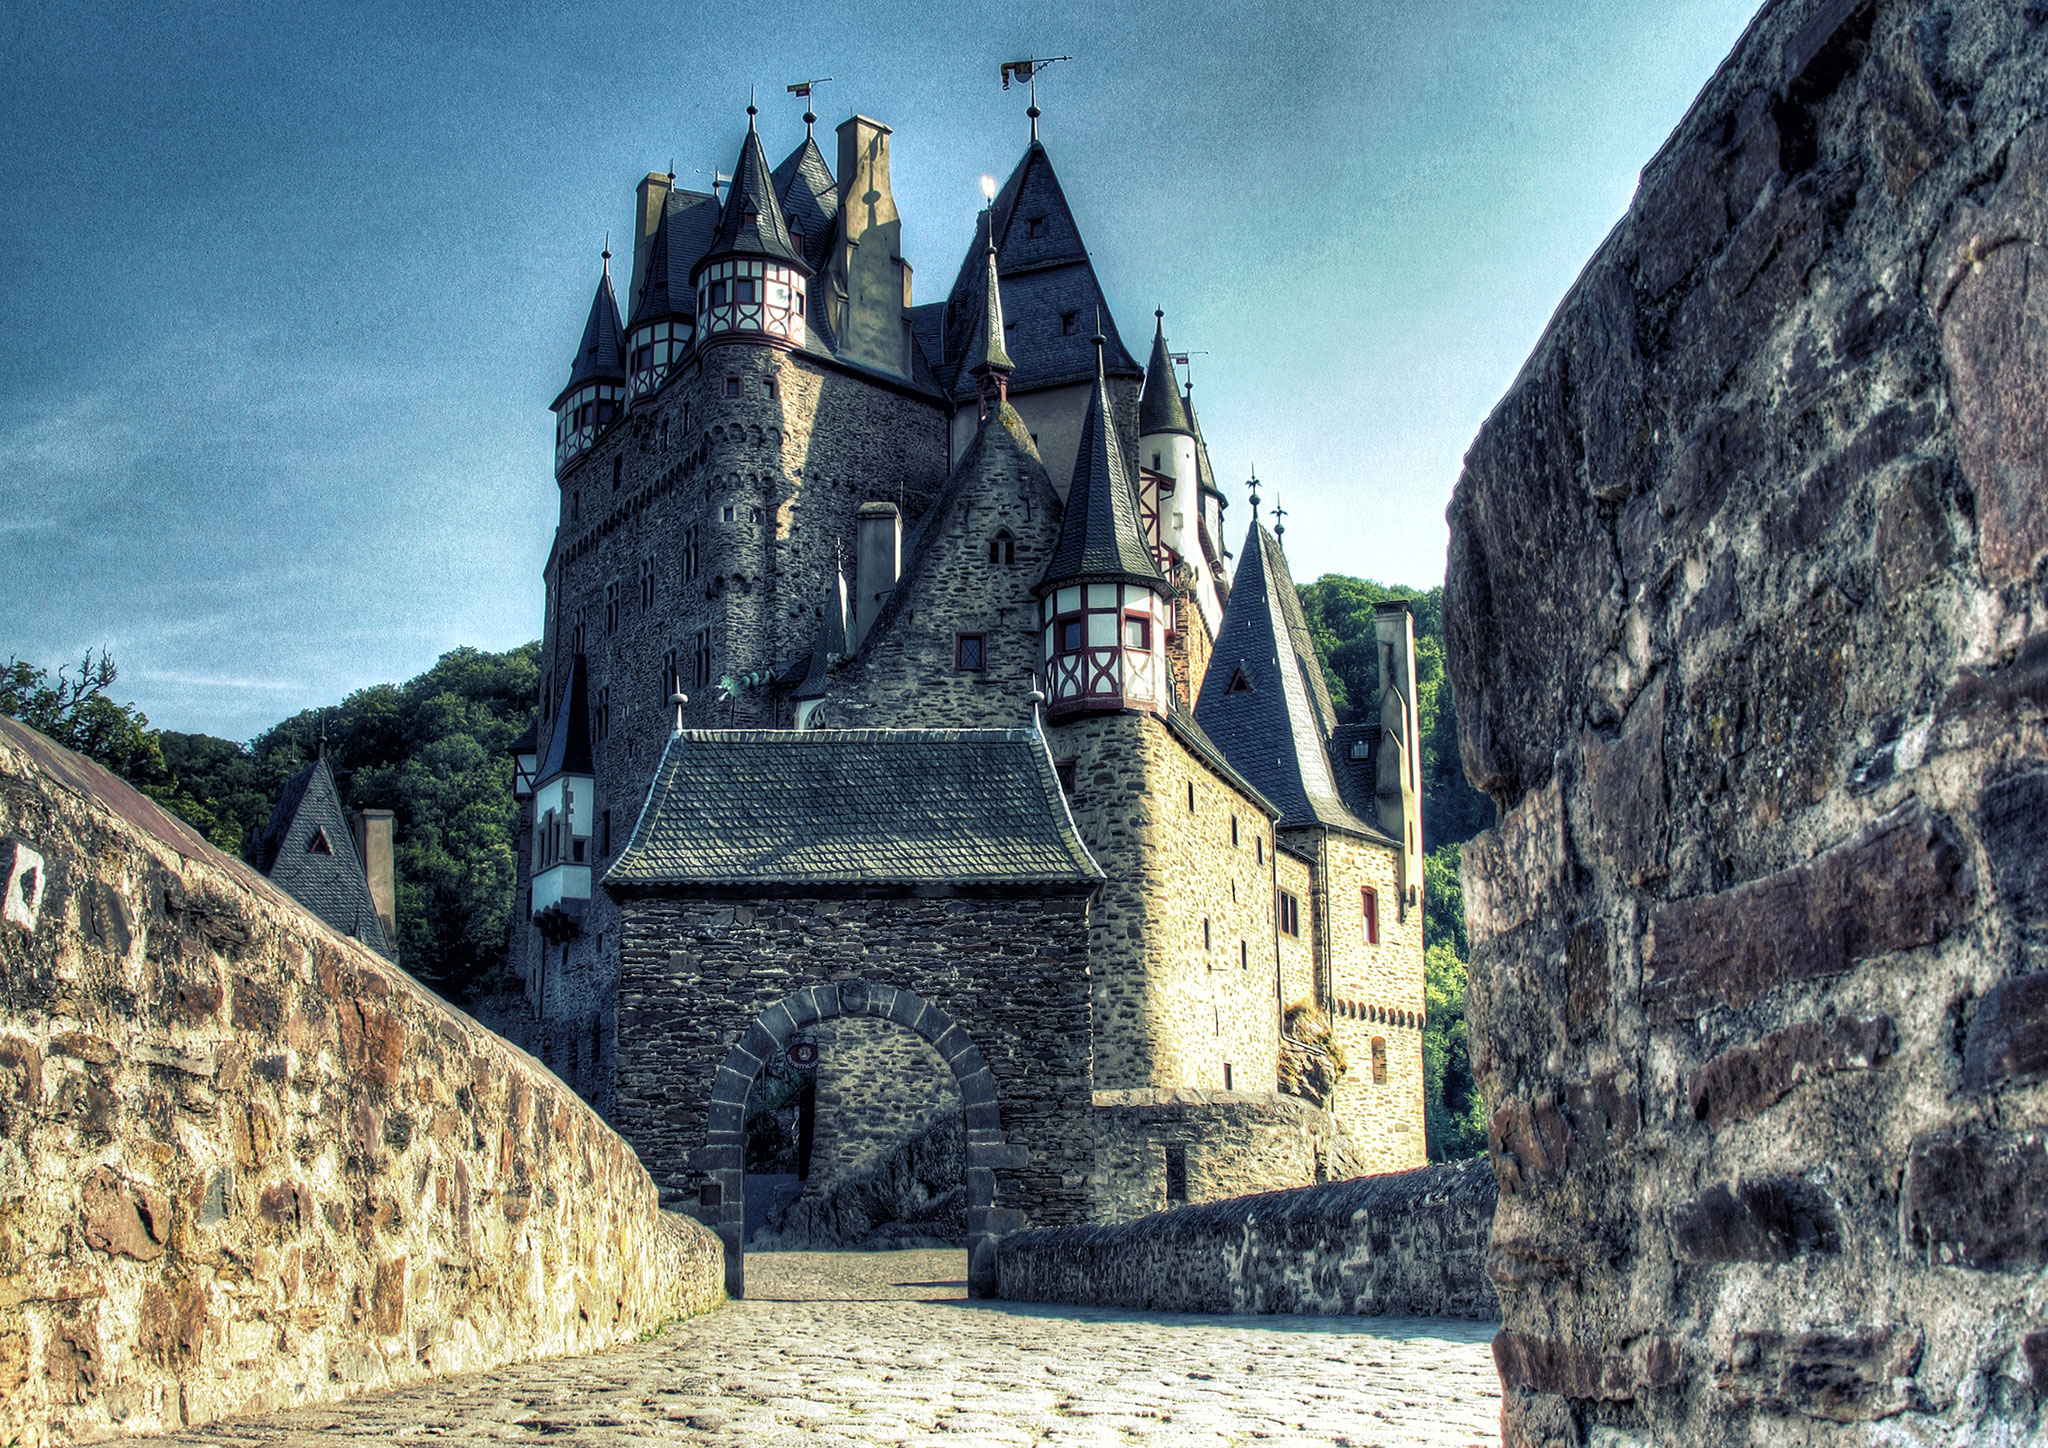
<point>595,394</point>
<point>750,283</point>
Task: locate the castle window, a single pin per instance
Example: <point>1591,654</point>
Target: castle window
<point>1155,462</point>
<point>693,557</point>
<point>1227,1086</point>
<point>601,716</point>
<point>1372,916</point>
<point>576,634</point>
<point>1068,771</point>
<point>768,388</point>
<point>1034,227</point>
<point>1290,914</point>
<point>718,297</point>
<point>1205,932</point>
<point>1233,832</point>
<point>1360,749</point>
<point>1176,1174</point>
<point>745,291</point>
<point>732,387</point>
<point>618,470</point>
<point>1137,632</point>
<point>1244,955</point>
<point>970,652</point>
<point>757,515</point>
<point>700,662</point>
<point>796,239</point>
<point>664,435</point>
<point>1191,796</point>
<point>1259,847</point>
<point>319,844</point>
<point>1072,635</point>
<point>647,584</point>
<point>728,515</point>
<point>1239,684</point>
<point>611,607</point>
<point>1069,323</point>
<point>1002,548</point>
<point>1379,1060</point>
<point>576,505</point>
<point>799,302</point>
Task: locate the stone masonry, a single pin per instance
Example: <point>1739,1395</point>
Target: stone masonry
<point>1750,639</point>
<point>245,1163</point>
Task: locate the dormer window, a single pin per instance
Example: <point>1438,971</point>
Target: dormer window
<point>1239,684</point>
<point>319,844</point>
<point>1034,227</point>
<point>1069,323</point>
<point>1359,749</point>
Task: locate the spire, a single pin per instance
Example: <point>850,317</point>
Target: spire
<point>990,362</point>
<point>1161,408</point>
<point>752,224</point>
<point>832,636</point>
<point>653,300</point>
<point>569,744</point>
<point>601,355</point>
<point>1100,539</point>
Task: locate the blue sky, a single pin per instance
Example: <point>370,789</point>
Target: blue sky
<point>290,288</point>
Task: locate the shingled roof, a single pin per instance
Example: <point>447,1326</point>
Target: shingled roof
<point>681,236</point>
<point>1264,701</point>
<point>861,807</point>
<point>751,223</point>
<point>601,355</point>
<point>1160,408</point>
<point>809,196</point>
<point>309,852</point>
<point>1099,534</point>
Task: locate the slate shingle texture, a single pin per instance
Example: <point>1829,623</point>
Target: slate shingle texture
<point>855,806</point>
<point>323,875</point>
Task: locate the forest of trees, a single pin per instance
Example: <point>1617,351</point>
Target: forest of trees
<point>433,751</point>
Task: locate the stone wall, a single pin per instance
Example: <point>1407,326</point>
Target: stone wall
<point>247,1163</point>
<point>1230,1143</point>
<point>1747,627</point>
<point>878,1086</point>
<point>1410,1244</point>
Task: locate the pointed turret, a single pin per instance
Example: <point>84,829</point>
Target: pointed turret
<point>564,811</point>
<point>1161,409</point>
<point>662,321</point>
<point>988,361</point>
<point>832,646</point>
<point>751,282</point>
<point>596,393</point>
<point>309,851</point>
<point>810,199</point>
<point>1102,599</point>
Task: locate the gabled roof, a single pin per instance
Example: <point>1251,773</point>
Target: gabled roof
<point>569,740</point>
<point>864,807</point>
<point>809,197</point>
<point>1161,408</point>
<point>1099,534</point>
<point>601,355</point>
<point>1045,277</point>
<point>1277,732</point>
<point>752,223</point>
<point>681,236</point>
<point>308,851</point>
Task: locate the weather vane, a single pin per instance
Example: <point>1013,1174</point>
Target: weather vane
<point>1279,528</point>
<point>1028,70</point>
<point>802,91</point>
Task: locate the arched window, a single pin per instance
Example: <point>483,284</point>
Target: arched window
<point>1379,1060</point>
<point>1002,548</point>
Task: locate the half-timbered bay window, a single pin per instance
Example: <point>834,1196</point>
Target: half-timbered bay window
<point>748,294</point>
<point>583,417</point>
<point>656,348</point>
<point>1102,646</point>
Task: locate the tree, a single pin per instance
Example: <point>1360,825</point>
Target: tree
<point>1453,1113</point>
<point>79,714</point>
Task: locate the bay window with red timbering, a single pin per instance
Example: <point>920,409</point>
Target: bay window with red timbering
<point>1103,646</point>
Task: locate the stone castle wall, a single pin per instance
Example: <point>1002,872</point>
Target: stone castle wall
<point>1747,626</point>
<point>878,1085</point>
<point>1297,951</point>
<point>247,1163</point>
<point>1407,1244</point>
<point>1229,1143</point>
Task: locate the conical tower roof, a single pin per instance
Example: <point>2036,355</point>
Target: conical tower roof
<point>832,636</point>
<point>1100,539</point>
<point>308,851</point>
<point>601,355</point>
<point>655,301</point>
<point>1161,409</point>
<point>752,223</point>
<point>809,197</point>
<point>988,353</point>
<point>569,742</point>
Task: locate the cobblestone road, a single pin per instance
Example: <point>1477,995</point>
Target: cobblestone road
<point>884,1347</point>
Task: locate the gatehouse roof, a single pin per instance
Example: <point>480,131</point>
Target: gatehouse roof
<point>871,807</point>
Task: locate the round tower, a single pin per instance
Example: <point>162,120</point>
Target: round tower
<point>1166,438</point>
<point>662,322</point>
<point>750,284</point>
<point>596,393</point>
<point>1103,603</point>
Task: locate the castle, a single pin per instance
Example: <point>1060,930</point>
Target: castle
<point>900,709</point>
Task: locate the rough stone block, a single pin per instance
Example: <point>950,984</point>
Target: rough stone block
<point>1745,1080</point>
<point>1843,1374</point>
<point>2010,821</point>
<point>1542,1140</point>
<point>122,1217</point>
<point>1571,1369</point>
<point>1772,1219</point>
<point>1978,1197</point>
<point>2007,1043</point>
<point>1904,882</point>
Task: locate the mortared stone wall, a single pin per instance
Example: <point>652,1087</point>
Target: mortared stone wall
<point>1747,622</point>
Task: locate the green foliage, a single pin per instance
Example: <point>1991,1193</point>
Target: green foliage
<point>1453,1113</point>
<point>78,714</point>
<point>1443,900</point>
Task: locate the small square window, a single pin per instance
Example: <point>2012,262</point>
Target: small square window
<point>1071,634</point>
<point>970,652</point>
<point>732,387</point>
<point>1070,322</point>
<point>718,294</point>
<point>768,388</point>
<point>1068,771</point>
<point>743,289</point>
<point>1137,632</point>
<point>728,515</point>
<point>1034,226</point>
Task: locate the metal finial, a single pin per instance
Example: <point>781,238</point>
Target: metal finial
<point>679,698</point>
<point>607,253</point>
<point>671,170</point>
<point>1279,528</point>
<point>1253,484</point>
<point>323,736</point>
<point>752,109</point>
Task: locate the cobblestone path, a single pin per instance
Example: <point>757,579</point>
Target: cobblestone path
<point>884,1347</point>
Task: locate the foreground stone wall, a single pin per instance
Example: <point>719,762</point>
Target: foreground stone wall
<point>1230,1143</point>
<point>247,1163</point>
<point>1748,632</point>
<point>1409,1244</point>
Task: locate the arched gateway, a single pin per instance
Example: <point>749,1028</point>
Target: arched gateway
<point>931,878</point>
<point>725,1138</point>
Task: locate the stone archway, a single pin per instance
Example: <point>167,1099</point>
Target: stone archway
<point>725,1155</point>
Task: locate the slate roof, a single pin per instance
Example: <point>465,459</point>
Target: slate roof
<point>569,740</point>
<point>820,807</point>
<point>1161,408</point>
<point>681,236</point>
<point>330,881</point>
<point>752,223</point>
<point>986,353</point>
<point>1044,278</point>
<point>832,637</point>
<point>1277,732</point>
<point>1099,533</point>
<point>809,197</point>
<point>601,355</point>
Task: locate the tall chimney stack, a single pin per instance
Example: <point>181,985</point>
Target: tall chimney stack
<point>868,271</point>
<point>1399,786</point>
<point>373,831</point>
<point>878,560</point>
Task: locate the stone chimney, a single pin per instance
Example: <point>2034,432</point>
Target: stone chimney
<point>1399,784</point>
<point>646,215</point>
<point>878,561</point>
<point>871,282</point>
<point>373,831</point>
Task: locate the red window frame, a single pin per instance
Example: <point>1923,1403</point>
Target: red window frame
<point>1371,906</point>
<point>1143,642</point>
